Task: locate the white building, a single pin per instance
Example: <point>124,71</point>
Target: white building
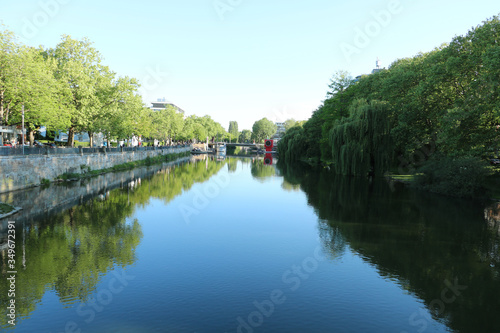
<point>280,129</point>
<point>375,70</point>
<point>162,104</point>
<point>10,134</point>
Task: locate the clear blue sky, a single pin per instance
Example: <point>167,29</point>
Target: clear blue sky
<point>245,59</point>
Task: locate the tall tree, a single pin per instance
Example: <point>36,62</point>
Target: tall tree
<point>233,129</point>
<point>361,143</point>
<point>339,82</point>
<point>79,67</point>
<point>26,80</point>
<point>168,123</point>
<point>245,136</point>
<point>41,95</point>
<point>263,129</point>
<point>9,64</point>
<point>123,114</point>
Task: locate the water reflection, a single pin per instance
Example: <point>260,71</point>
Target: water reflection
<point>437,248</point>
<point>260,171</point>
<point>492,216</point>
<point>440,250</point>
<point>70,252</point>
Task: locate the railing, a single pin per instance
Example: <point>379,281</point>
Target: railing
<point>18,151</point>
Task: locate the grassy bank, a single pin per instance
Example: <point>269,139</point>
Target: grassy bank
<point>5,209</point>
<point>467,181</point>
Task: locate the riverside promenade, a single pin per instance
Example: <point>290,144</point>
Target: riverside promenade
<point>20,171</point>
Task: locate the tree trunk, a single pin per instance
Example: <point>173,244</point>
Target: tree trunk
<point>71,137</point>
<point>1,107</point>
<point>91,139</point>
<point>6,114</point>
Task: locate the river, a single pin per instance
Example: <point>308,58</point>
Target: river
<point>234,245</point>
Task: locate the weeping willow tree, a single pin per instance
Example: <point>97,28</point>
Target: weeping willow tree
<point>361,143</point>
<point>292,146</point>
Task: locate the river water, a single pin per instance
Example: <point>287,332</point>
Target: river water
<point>237,246</point>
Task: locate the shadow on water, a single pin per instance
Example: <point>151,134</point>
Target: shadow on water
<point>443,250</point>
<point>84,230</point>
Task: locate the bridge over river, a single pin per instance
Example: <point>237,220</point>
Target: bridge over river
<point>229,145</point>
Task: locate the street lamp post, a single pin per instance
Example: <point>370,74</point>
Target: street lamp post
<point>22,129</point>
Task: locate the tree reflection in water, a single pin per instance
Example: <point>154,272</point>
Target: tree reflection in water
<point>422,241</point>
<point>71,251</point>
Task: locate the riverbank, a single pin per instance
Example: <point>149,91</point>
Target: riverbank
<point>37,202</point>
<point>87,172</point>
<point>7,210</point>
<point>22,172</point>
<point>491,188</point>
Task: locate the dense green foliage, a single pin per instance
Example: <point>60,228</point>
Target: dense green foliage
<point>4,208</point>
<point>67,88</point>
<point>446,101</point>
<point>361,143</point>
<point>245,136</point>
<point>458,176</point>
<point>233,130</point>
<point>263,129</point>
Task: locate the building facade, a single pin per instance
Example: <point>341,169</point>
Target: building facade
<point>162,104</point>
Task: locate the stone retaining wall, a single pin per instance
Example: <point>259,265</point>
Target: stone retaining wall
<point>38,203</point>
<point>20,172</point>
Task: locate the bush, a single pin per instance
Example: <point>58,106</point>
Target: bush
<point>83,144</point>
<point>460,177</point>
<point>4,208</point>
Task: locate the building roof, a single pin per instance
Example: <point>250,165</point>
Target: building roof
<point>163,105</point>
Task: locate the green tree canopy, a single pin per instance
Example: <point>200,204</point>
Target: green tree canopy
<point>339,82</point>
<point>245,136</point>
<point>233,129</point>
<point>79,68</point>
<point>263,129</point>
<point>445,101</point>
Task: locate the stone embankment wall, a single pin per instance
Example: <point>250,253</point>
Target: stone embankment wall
<point>38,203</point>
<point>20,172</point>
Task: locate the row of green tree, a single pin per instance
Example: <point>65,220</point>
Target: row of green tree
<point>262,129</point>
<point>68,88</point>
<point>440,107</point>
